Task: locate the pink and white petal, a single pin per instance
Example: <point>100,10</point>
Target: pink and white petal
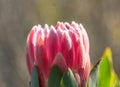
<point>67,25</point>
<point>41,58</point>
<point>52,45</point>
<point>30,49</point>
<point>85,38</point>
<point>29,62</point>
<point>74,48</point>
<point>66,48</point>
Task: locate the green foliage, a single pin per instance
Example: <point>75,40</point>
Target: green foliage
<point>34,77</point>
<point>68,79</point>
<point>102,74</point>
<point>57,80</point>
<point>93,79</point>
<point>55,77</point>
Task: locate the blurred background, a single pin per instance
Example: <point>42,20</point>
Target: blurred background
<point>101,18</point>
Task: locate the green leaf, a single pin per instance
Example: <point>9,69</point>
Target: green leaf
<point>68,79</point>
<point>93,78</point>
<point>114,80</point>
<point>104,73</point>
<point>34,77</point>
<point>55,77</point>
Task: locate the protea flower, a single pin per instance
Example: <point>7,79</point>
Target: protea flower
<point>65,45</point>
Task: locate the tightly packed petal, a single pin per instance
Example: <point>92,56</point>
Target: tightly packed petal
<point>65,45</point>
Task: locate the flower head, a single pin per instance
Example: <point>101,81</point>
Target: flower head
<point>65,45</point>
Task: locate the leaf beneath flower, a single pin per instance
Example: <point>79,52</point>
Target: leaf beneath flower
<point>55,77</point>
<point>34,77</point>
<point>69,79</point>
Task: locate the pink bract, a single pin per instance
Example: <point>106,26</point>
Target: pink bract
<point>65,45</point>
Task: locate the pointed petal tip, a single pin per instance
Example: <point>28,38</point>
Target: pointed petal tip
<point>60,61</point>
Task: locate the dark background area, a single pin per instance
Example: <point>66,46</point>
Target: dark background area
<point>101,18</point>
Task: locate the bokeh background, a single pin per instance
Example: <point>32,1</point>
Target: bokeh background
<point>101,18</point>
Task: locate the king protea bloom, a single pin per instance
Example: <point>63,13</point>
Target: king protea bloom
<point>65,45</point>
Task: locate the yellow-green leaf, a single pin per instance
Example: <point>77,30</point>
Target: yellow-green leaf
<point>102,74</point>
